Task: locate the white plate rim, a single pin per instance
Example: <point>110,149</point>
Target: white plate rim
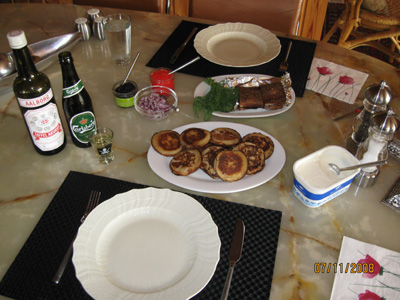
<point>202,88</point>
<point>201,182</point>
<point>205,232</point>
<point>271,43</point>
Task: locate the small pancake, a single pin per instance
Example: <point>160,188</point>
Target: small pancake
<point>208,157</point>
<point>262,141</point>
<point>185,162</point>
<point>166,142</point>
<point>254,155</point>
<point>230,165</point>
<point>194,138</point>
<point>225,137</point>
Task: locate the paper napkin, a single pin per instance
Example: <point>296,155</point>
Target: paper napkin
<point>335,81</point>
<point>365,271</point>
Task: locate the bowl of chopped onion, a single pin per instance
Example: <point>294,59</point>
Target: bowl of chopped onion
<point>156,102</point>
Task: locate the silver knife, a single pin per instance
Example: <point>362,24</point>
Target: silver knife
<point>178,51</point>
<point>234,255</point>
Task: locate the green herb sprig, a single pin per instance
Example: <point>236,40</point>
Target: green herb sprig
<point>219,98</point>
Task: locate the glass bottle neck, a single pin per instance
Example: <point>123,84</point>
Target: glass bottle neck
<point>24,62</point>
<point>70,76</point>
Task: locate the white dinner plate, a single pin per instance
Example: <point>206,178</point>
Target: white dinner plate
<point>146,244</point>
<point>203,88</point>
<point>201,182</point>
<point>237,44</point>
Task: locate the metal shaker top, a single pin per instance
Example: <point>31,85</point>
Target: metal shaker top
<point>379,94</point>
<point>386,122</point>
<point>93,13</point>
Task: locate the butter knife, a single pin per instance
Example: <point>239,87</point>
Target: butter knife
<point>234,255</point>
<point>178,51</point>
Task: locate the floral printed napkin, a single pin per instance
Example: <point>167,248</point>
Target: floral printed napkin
<point>366,272</point>
<point>335,81</point>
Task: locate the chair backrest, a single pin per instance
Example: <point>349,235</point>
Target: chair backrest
<point>276,15</point>
<point>143,5</point>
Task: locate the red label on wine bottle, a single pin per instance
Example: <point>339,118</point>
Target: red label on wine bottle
<point>36,102</point>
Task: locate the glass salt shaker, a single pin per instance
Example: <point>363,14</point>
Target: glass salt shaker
<point>377,97</point>
<point>380,133</point>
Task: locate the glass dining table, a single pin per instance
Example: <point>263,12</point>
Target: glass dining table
<point>307,236</point>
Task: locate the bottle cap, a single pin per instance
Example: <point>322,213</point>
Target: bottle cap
<point>17,39</point>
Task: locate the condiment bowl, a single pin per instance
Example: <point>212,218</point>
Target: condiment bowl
<point>124,94</point>
<point>156,102</point>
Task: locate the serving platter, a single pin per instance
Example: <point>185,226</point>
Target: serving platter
<point>146,244</point>
<point>203,88</point>
<point>237,44</point>
<point>201,182</point>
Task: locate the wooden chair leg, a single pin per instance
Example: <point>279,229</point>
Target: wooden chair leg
<point>331,32</point>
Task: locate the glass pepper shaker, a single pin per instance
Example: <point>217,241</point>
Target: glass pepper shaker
<point>377,97</point>
<point>380,133</point>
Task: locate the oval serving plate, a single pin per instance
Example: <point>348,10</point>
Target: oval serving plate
<point>201,182</point>
<point>237,44</point>
<point>203,88</point>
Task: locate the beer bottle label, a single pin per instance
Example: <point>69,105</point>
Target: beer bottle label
<point>73,90</point>
<point>45,127</point>
<point>81,125</point>
<point>36,102</point>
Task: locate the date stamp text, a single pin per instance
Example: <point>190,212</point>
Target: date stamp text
<point>356,268</point>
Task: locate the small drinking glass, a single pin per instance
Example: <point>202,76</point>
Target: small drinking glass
<point>161,77</point>
<point>118,35</point>
<point>101,141</point>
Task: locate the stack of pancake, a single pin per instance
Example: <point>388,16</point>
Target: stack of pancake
<point>222,153</point>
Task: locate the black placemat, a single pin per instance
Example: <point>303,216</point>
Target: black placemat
<point>30,275</point>
<point>300,59</point>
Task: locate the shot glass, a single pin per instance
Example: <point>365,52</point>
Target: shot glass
<point>161,77</point>
<point>101,141</point>
<point>118,35</point>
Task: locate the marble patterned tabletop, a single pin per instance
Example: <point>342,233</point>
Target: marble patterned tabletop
<point>308,236</point>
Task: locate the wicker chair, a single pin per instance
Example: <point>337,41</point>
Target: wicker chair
<point>384,26</point>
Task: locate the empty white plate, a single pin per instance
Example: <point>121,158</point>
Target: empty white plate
<point>237,44</point>
<point>148,243</point>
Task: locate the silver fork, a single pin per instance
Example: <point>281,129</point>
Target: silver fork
<point>93,202</point>
<point>284,64</point>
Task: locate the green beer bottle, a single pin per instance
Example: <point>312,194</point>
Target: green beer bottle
<point>35,99</point>
<point>77,104</point>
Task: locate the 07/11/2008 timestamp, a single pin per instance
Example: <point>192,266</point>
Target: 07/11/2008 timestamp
<point>356,268</point>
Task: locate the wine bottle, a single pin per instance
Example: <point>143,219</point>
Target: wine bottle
<point>36,99</point>
<point>77,104</point>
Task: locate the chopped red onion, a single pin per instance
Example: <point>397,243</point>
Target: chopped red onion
<point>154,104</point>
